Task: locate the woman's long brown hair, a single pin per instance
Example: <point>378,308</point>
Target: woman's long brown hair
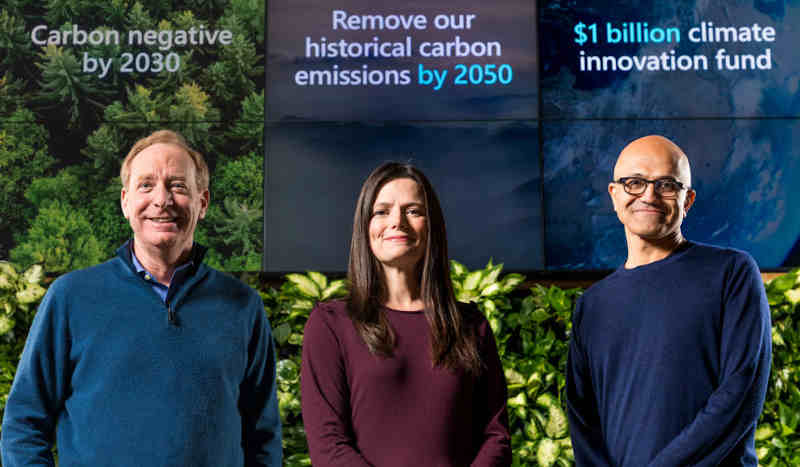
<point>453,339</point>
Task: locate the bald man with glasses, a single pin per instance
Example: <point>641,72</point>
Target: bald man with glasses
<point>669,355</point>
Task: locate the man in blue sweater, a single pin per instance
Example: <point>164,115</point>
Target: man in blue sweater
<point>151,358</point>
<point>669,355</point>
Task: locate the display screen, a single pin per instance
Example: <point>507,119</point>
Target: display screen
<point>82,81</point>
<point>354,60</point>
<point>315,172</point>
<point>523,163</point>
<point>515,109</point>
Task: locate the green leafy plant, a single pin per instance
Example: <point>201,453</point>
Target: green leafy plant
<point>483,287</point>
<point>532,330</point>
<point>288,309</point>
<point>20,292</point>
<point>532,335</point>
<point>778,433</point>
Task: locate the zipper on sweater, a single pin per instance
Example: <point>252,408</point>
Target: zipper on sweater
<point>171,315</point>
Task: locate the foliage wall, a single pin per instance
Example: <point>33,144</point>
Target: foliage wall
<point>532,330</point>
<point>64,132</point>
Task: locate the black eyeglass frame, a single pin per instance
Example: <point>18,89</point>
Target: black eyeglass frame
<point>657,185</point>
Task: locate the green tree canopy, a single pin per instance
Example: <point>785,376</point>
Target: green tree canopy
<point>60,239</point>
<point>24,156</point>
<point>70,170</point>
<point>234,223</point>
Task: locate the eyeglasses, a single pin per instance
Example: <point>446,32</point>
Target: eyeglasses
<point>665,187</point>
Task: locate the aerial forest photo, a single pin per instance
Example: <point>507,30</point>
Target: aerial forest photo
<point>64,129</point>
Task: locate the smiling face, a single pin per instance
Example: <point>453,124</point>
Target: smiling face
<point>398,227</point>
<point>650,216</point>
<point>162,201</point>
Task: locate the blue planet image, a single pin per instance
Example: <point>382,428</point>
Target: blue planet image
<point>740,129</point>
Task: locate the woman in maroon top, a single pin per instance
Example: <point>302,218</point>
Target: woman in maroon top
<point>400,374</point>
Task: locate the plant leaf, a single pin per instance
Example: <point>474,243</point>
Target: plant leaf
<point>319,279</point>
<point>472,280</point>
<point>30,294</point>
<point>491,275</point>
<point>491,289</point>
<point>335,289</point>
<point>305,285</point>
<point>511,281</point>
<point>7,269</point>
<point>556,422</point>
<point>782,283</point>
<point>457,269</point>
<point>547,452</point>
<point>281,333</point>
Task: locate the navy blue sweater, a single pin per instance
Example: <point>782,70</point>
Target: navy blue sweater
<point>119,383</point>
<point>669,362</point>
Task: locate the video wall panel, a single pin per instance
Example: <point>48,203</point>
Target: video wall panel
<point>88,79</point>
<point>315,173</point>
<point>683,59</point>
<point>746,192</point>
<point>381,60</point>
<point>516,109</point>
<point>720,78</point>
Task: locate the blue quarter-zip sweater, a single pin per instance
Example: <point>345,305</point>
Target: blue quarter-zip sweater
<point>119,377</point>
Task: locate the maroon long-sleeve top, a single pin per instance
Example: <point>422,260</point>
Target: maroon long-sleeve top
<point>363,410</point>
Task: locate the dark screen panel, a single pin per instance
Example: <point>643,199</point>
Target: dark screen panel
<point>309,79</point>
<point>744,172</point>
<point>720,59</point>
<point>315,172</point>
